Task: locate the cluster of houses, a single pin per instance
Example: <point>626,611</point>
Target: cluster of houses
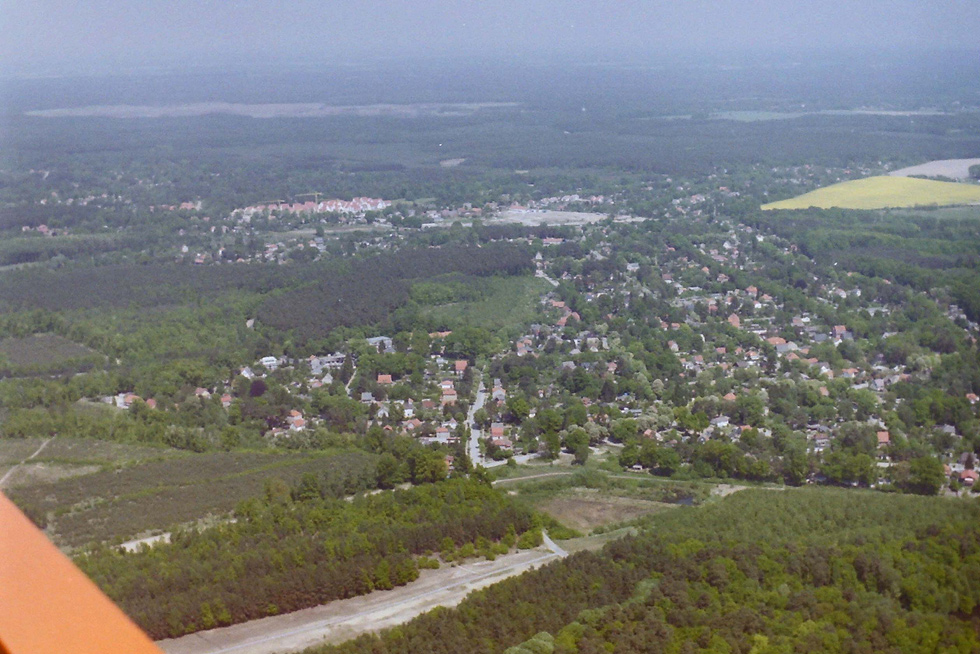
<point>349,207</point>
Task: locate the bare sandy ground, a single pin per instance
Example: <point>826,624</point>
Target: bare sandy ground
<point>150,541</point>
<point>29,474</point>
<point>952,168</point>
<point>345,619</point>
<point>291,110</point>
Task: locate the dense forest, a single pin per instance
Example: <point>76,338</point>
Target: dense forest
<point>923,250</point>
<point>293,550</point>
<point>375,287</point>
<point>799,571</point>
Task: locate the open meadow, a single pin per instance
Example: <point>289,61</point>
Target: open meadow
<point>508,301</point>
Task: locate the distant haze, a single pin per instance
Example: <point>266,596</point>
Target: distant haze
<point>65,36</point>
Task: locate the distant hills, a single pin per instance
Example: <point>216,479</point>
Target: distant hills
<point>882,193</point>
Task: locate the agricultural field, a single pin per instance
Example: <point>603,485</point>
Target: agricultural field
<point>951,168</point>
<point>115,504</point>
<point>509,302</point>
<point>882,193</point>
<point>42,351</point>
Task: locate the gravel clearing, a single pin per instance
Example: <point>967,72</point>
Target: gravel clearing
<point>345,619</point>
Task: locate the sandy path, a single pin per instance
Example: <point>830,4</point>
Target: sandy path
<point>345,619</point>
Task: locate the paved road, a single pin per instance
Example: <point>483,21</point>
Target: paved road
<point>473,447</point>
<point>344,619</point>
<point>553,546</point>
<point>543,275</point>
<point>11,471</point>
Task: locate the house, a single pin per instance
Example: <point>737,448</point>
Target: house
<point>382,344</point>
<point>384,379</point>
<point>884,439</point>
<point>968,477</point>
<point>226,400</point>
<point>271,363</point>
<point>460,367</point>
<point>367,397</point>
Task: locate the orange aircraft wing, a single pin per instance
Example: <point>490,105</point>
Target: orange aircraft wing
<point>48,606</point>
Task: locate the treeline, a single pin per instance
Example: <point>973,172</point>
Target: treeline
<point>801,571</point>
<point>296,550</point>
<point>374,288</point>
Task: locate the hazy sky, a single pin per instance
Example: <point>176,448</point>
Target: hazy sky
<point>50,34</point>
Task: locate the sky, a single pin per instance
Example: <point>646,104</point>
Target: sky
<point>61,35</point>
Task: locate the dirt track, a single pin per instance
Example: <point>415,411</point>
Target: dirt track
<point>345,619</point>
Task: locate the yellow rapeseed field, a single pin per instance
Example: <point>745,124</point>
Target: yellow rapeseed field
<point>883,193</point>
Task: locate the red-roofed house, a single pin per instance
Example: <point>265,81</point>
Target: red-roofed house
<point>883,438</point>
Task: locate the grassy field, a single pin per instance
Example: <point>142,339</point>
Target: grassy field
<point>71,457</point>
<point>119,503</point>
<point>586,509</point>
<point>13,451</point>
<point>883,193</point>
<point>42,351</point>
<point>511,301</point>
<point>589,499</point>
